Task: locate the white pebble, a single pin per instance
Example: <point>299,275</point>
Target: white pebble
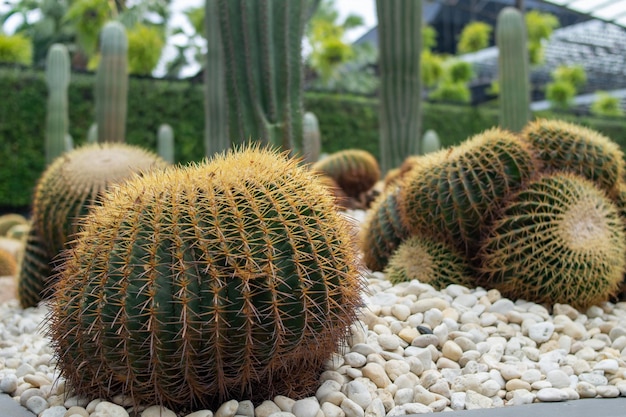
<point>551,395</point>
<point>227,409</point>
<point>307,407</point>
<point>107,409</point>
<point>352,409</point>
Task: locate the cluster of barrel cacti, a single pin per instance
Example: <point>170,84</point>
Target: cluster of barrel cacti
<point>537,215</point>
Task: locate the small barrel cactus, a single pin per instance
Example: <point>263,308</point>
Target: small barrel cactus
<point>8,265</point>
<point>7,221</point>
<point>558,240</point>
<point>231,279</point>
<point>456,196</point>
<point>383,230</point>
<point>430,262</point>
<point>354,170</point>
<point>566,146</point>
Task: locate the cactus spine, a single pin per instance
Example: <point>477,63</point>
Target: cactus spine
<point>215,103</point>
<point>513,69</point>
<point>400,39</point>
<point>112,83</point>
<point>165,143</point>
<point>262,46</point>
<point>58,80</point>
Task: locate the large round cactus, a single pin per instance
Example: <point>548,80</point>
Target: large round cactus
<point>454,198</point>
<point>566,146</point>
<point>232,279</point>
<point>559,240</point>
<point>74,182</point>
<point>430,262</point>
<point>35,271</point>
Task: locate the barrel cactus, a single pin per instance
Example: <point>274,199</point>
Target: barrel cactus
<point>71,184</point>
<point>7,221</point>
<point>354,170</point>
<point>458,194</point>
<point>559,240</point>
<point>35,270</point>
<point>8,266</point>
<point>383,230</point>
<point>567,146</point>
<point>430,262</point>
<point>232,279</point>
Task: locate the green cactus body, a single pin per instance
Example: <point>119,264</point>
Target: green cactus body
<point>383,230</point>
<point>430,262</point>
<point>311,140</point>
<point>262,48</point>
<point>70,186</point>
<point>165,143</point>
<point>400,47</point>
<point>455,196</point>
<point>7,221</point>
<point>112,83</point>
<point>34,271</point>
<point>513,69</point>
<point>231,279</point>
<point>354,170</point>
<point>566,146</point>
<point>215,101</point>
<point>58,80</point>
<point>430,142</point>
<point>559,240</point>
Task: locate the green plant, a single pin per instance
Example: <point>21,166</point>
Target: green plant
<point>539,26</point>
<point>15,49</point>
<point>559,240</point>
<point>458,71</point>
<point>262,45</point>
<point>72,184</point>
<point>225,280</point>
<point>145,44</point>
<point>400,49</point>
<point>35,269</point>
<point>454,197</point>
<point>451,92</point>
<point>112,84</point>
<point>57,80</point>
<point>567,146</point>
<point>312,140</point>
<point>574,75</point>
<point>7,221</point>
<point>474,37</point>
<point>513,71</point>
<point>431,67</point>
<point>165,143</point>
<point>430,262</point>
<point>354,170</point>
<point>606,105</point>
<point>430,142</point>
<point>383,230</point>
<point>560,94</point>
<point>215,101</point>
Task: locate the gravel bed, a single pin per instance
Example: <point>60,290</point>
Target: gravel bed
<point>414,350</point>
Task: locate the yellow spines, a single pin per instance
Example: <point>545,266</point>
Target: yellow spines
<point>8,264</point>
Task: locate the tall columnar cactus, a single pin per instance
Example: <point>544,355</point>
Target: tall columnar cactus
<point>513,71</point>
<point>400,47</point>
<point>262,46</point>
<point>58,80</point>
<point>112,83</point>
<point>232,279</point>
<point>215,102</point>
<point>165,143</point>
<point>430,142</point>
<point>311,138</point>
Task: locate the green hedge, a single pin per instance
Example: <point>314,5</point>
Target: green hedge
<point>345,122</point>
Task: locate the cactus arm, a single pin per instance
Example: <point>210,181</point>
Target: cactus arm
<point>57,79</point>
<point>400,38</point>
<point>215,103</point>
<point>112,84</point>
<point>165,143</point>
<point>513,70</point>
<point>262,48</point>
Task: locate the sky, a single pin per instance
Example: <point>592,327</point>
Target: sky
<point>364,8</point>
